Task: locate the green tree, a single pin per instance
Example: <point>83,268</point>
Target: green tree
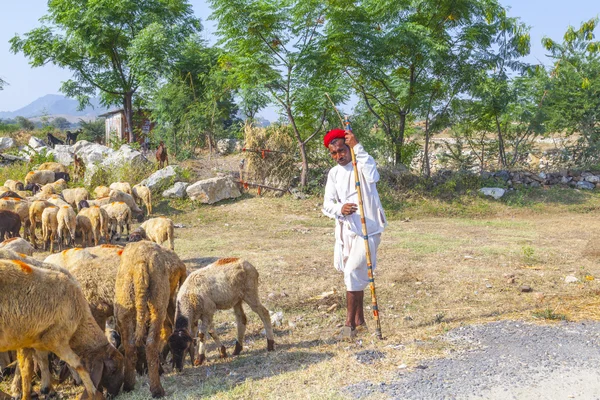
<point>61,123</point>
<point>2,83</point>
<point>280,46</point>
<point>24,123</point>
<point>116,47</point>
<point>574,93</point>
<point>92,131</point>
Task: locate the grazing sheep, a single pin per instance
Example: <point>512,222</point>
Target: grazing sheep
<point>10,224</point>
<point>67,224</point>
<point>119,215</point>
<point>145,288</point>
<point>122,186</point>
<point>53,166</point>
<point>36,208</point>
<point>10,193</point>
<point>84,225</point>
<point>75,195</point>
<point>14,185</point>
<point>54,316</point>
<point>102,201</point>
<point>144,195</point>
<point>19,207</point>
<point>159,230</point>
<point>54,187</point>
<point>94,217</point>
<point>40,177</point>
<point>117,195</point>
<point>49,227</point>
<point>137,234</point>
<point>101,191</point>
<point>83,204</point>
<point>18,245</point>
<point>69,257</point>
<point>104,223</point>
<point>34,188</point>
<point>57,200</point>
<point>220,286</point>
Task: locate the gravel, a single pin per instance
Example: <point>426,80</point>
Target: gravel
<point>504,360</point>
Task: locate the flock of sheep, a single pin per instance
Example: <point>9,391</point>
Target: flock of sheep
<point>106,310</point>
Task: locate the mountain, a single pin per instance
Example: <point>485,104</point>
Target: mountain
<point>54,105</point>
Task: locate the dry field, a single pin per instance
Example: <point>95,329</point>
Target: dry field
<point>434,274</point>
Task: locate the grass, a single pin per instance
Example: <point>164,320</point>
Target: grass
<point>435,271</point>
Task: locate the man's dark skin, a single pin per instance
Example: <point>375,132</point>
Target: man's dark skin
<point>340,152</point>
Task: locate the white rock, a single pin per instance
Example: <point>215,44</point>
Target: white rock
<point>571,279</point>
<point>125,155</point>
<point>592,179</point>
<point>276,318</point>
<point>6,143</point>
<point>80,145</point>
<point>585,185</point>
<point>226,146</point>
<point>162,178</point>
<point>212,190</point>
<point>62,154</point>
<point>566,179</point>
<point>94,153</point>
<point>542,175</point>
<point>36,143</point>
<point>177,191</point>
<point>496,193</point>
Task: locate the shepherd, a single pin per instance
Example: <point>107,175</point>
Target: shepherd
<point>341,203</point>
<point>161,155</point>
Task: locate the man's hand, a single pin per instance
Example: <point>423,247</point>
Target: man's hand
<point>350,139</point>
<point>349,208</point>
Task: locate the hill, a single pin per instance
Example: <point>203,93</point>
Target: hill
<point>54,105</point>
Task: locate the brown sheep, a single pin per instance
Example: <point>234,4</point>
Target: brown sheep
<point>57,200</point>
<point>144,195</point>
<point>119,215</point>
<point>40,177</point>
<point>102,201</point>
<point>36,208</point>
<point>14,185</point>
<point>49,227</point>
<point>10,224</point>
<point>53,166</point>
<point>19,207</point>
<point>222,285</point>
<point>75,195</point>
<point>67,225</point>
<point>145,288</point>
<point>18,245</point>
<point>159,230</point>
<point>94,215</point>
<point>117,195</point>
<point>54,187</point>
<point>101,191</point>
<point>56,318</point>
<point>122,186</point>
<point>84,225</point>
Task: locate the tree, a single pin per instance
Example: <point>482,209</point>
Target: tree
<point>92,131</point>
<point>2,83</point>
<point>24,123</point>
<point>280,46</point>
<point>114,46</point>
<point>574,92</point>
<point>61,123</point>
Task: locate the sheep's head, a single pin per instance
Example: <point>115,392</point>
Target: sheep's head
<point>140,217</point>
<point>108,371</point>
<point>179,342</point>
<point>137,235</point>
<point>83,204</point>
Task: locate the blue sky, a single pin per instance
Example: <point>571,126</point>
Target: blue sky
<point>546,18</point>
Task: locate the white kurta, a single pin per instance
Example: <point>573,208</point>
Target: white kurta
<point>349,253</point>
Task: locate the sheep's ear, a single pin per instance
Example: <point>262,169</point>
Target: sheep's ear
<point>96,370</point>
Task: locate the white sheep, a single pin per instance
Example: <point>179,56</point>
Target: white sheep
<point>40,177</point>
<point>36,208</point>
<point>117,195</point>
<point>67,225</point>
<point>144,195</point>
<point>49,227</point>
<point>159,230</point>
<point>101,191</point>
<point>119,215</point>
<point>18,245</point>
<point>122,186</point>
<point>94,215</point>
<point>14,185</point>
<point>75,195</point>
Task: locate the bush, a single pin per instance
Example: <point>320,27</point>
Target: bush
<point>133,174</point>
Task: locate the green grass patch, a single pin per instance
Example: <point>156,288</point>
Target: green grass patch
<point>549,314</point>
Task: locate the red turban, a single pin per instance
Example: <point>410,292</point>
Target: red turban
<point>333,134</point>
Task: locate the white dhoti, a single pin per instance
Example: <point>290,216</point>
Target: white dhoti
<point>350,258</point>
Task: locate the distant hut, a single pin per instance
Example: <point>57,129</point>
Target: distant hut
<point>116,125</point>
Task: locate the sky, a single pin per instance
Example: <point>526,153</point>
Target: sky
<point>545,17</point>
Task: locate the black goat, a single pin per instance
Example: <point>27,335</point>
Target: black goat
<point>53,140</point>
<point>10,224</point>
<point>62,175</point>
<point>33,187</point>
<point>72,136</point>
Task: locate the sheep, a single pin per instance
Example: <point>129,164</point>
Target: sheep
<point>145,287</point>
<point>14,185</point>
<point>104,223</point>
<point>36,208</point>
<point>102,201</point>
<point>117,195</point>
<point>69,257</point>
<point>10,193</point>
<point>57,200</point>
<point>94,217</point>
<point>10,224</point>
<point>122,186</point>
<point>67,224</point>
<point>119,215</point>
<point>33,188</point>
<point>101,191</point>
<point>21,208</point>
<point>18,245</point>
<point>53,166</point>
<point>40,177</point>
<point>55,187</point>
<point>83,204</point>
<point>159,230</point>
<point>84,225</point>
<point>222,285</point>
<point>143,194</point>
<point>75,195</point>
<point>62,175</point>
<point>49,227</point>
<point>54,316</point>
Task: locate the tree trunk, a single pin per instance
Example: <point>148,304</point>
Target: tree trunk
<point>128,110</point>
<point>399,140</point>
<point>304,173</point>
<point>501,150</point>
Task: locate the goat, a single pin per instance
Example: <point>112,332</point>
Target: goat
<point>10,224</point>
<point>78,167</point>
<point>72,136</point>
<point>53,140</point>
<point>161,155</point>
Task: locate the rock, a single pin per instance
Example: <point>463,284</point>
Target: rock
<point>36,143</point>
<point>496,193</point>
<point>80,145</point>
<point>6,143</point>
<point>177,191</point>
<point>369,356</point>
<point>526,289</point>
<point>571,279</point>
<point>592,179</point>
<point>585,185</point>
<point>297,194</point>
<point>162,178</point>
<point>62,154</point>
<point>543,175</point>
<point>125,155</point>
<point>534,184</point>
<point>503,175</point>
<point>227,146</point>
<point>210,191</point>
<point>276,318</point>
<point>585,174</point>
<point>93,154</point>
<point>565,179</point>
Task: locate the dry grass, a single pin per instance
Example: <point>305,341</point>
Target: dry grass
<point>434,274</point>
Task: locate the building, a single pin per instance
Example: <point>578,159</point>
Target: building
<point>116,128</point>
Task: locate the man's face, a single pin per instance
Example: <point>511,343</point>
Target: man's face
<point>340,152</point>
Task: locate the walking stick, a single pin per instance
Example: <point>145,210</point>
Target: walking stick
<point>363,222</point>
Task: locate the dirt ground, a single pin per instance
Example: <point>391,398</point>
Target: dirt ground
<point>433,274</point>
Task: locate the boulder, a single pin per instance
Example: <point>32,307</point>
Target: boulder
<point>571,279</point>
<point>585,185</point>
<point>212,190</point>
<point>6,143</point>
<point>227,146</point>
<point>592,179</point>
<point>502,175</point>
<point>496,193</point>
<point>177,191</point>
<point>36,143</point>
<point>125,155</point>
<point>80,145</point>
<point>162,178</point>
<point>94,153</point>
<point>62,154</point>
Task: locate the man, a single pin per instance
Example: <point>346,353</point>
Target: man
<point>341,203</point>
